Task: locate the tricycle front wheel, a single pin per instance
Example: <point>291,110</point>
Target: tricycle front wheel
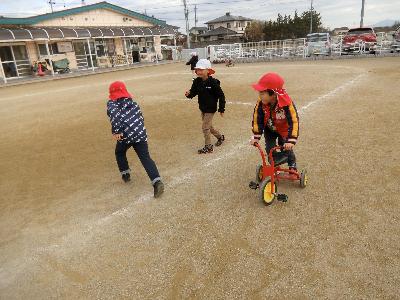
<point>267,191</point>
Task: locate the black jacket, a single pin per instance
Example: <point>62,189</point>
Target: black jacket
<point>192,62</point>
<point>210,93</point>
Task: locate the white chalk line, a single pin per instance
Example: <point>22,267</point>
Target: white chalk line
<point>72,237</point>
<point>331,93</point>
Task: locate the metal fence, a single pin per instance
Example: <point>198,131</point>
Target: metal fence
<point>258,50</point>
<point>290,48</point>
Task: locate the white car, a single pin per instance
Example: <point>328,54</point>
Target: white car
<point>396,41</point>
<point>318,44</point>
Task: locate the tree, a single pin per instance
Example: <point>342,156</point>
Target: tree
<point>285,27</point>
<point>254,32</point>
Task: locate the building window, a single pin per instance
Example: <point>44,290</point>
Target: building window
<point>6,54</point>
<point>52,48</point>
<point>228,25</point>
<point>42,50</point>
<point>20,53</point>
<point>210,27</point>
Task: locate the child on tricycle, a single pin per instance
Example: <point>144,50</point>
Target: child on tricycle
<point>276,117</point>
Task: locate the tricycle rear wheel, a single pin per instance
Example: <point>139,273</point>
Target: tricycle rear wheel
<point>259,173</point>
<point>303,179</point>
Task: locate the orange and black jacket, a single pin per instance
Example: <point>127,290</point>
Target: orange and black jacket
<point>282,120</point>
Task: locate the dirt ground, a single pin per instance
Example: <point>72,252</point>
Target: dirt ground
<point>70,228</point>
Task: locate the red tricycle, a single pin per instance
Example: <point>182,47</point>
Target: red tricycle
<point>268,175</point>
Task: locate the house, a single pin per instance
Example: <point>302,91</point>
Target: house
<point>197,30</point>
<point>194,32</point>
<point>340,31</point>
<point>234,23</point>
<point>218,34</point>
<point>90,36</point>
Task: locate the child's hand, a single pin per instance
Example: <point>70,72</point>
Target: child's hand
<point>253,142</point>
<point>288,146</point>
<point>187,93</point>
<point>117,136</point>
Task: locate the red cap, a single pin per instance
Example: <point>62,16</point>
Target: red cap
<point>118,90</point>
<point>269,81</point>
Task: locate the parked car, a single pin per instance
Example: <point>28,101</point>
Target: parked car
<point>358,38</point>
<point>318,44</point>
<point>396,41</point>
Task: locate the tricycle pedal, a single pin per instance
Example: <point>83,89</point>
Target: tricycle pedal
<point>282,197</point>
<point>253,185</point>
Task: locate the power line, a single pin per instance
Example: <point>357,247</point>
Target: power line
<point>224,8</point>
<point>263,3</point>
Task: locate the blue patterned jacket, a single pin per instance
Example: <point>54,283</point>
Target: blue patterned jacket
<point>126,118</point>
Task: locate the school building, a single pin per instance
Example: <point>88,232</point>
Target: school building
<point>93,36</point>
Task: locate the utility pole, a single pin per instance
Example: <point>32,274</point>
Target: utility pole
<point>51,5</point>
<point>362,13</point>
<point>195,20</point>
<point>187,23</point>
<point>311,16</point>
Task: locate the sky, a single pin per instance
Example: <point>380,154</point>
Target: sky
<point>334,13</point>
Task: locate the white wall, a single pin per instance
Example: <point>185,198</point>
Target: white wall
<point>201,52</point>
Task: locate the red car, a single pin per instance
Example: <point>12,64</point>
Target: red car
<point>357,37</point>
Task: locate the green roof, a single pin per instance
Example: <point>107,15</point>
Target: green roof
<point>62,13</point>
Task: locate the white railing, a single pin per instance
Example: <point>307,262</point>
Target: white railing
<point>289,48</point>
<point>258,50</point>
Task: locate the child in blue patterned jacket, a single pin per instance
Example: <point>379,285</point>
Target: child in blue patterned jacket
<point>127,126</point>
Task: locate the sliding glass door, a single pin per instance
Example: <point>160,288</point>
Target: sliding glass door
<point>15,61</point>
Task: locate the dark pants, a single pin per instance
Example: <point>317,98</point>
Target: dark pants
<point>142,151</point>
<point>270,142</point>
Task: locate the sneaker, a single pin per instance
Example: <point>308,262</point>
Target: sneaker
<point>206,149</point>
<point>126,177</point>
<point>220,141</point>
<point>158,189</point>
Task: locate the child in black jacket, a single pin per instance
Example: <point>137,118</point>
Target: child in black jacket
<point>209,94</point>
<point>192,63</point>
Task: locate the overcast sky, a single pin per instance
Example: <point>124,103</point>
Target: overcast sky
<point>334,13</point>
